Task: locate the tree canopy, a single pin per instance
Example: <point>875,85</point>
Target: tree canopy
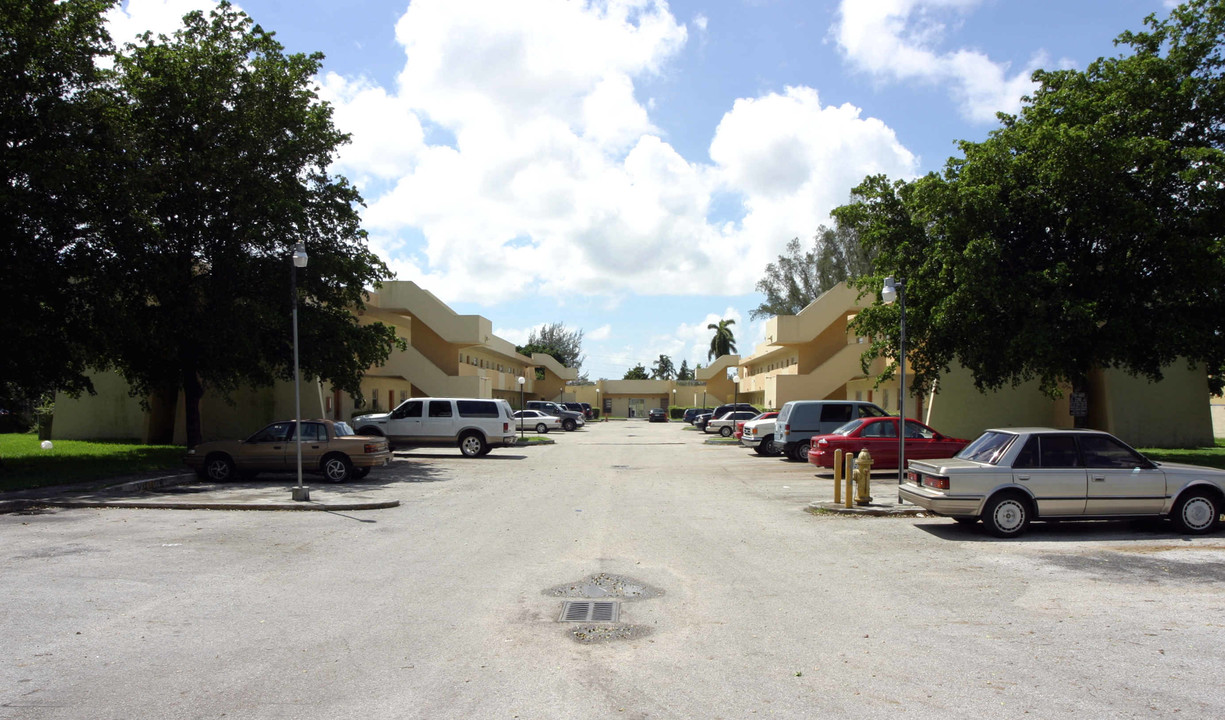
<point>663,369</point>
<point>565,346</point>
<point>154,209</point>
<point>56,152</point>
<point>1084,233</point>
<point>638,372</point>
<point>724,340</point>
<point>800,276</point>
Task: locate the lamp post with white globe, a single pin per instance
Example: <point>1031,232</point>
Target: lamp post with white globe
<point>300,492</point>
<point>522,405</point>
<point>896,290</point>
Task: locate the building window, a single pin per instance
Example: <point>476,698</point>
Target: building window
<point>374,398</point>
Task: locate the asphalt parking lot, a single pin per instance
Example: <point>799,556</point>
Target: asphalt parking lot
<point>732,599</point>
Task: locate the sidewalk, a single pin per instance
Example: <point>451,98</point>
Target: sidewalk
<point>184,491</point>
<point>883,490</point>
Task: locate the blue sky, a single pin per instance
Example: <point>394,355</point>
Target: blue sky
<point>629,167</point>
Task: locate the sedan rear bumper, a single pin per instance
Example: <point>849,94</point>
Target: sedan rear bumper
<point>939,502</point>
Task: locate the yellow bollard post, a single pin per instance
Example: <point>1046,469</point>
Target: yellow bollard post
<point>837,476</point>
<point>863,477</point>
<point>849,473</point>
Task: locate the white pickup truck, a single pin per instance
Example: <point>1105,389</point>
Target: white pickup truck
<point>759,435</point>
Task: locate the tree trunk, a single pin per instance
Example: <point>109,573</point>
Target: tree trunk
<point>192,392</point>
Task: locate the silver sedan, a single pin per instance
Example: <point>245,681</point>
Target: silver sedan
<point>1008,477</point>
<point>536,420</point>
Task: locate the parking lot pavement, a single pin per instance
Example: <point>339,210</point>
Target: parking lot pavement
<point>734,600</point>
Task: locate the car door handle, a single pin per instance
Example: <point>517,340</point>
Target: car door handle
<point>1099,478</point>
<point>1022,478</point>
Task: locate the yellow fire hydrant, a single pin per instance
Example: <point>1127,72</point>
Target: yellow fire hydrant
<point>863,477</point>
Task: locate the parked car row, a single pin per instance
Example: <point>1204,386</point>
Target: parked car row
<point>339,452</point>
<point>1007,478</point>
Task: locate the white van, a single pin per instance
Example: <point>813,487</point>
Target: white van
<point>799,420</point>
<point>476,425</point>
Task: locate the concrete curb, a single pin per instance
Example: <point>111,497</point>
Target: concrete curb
<point>287,507</point>
<point>53,497</point>
<point>870,510</point>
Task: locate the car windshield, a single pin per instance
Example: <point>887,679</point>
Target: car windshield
<point>848,428</point>
<point>342,429</point>
<point>988,448</point>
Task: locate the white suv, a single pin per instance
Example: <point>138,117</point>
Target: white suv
<point>476,425</point>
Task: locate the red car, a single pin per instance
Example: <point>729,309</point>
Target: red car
<point>740,423</point>
<point>878,435</point>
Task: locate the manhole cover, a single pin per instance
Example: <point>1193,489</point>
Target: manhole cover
<point>590,611</point>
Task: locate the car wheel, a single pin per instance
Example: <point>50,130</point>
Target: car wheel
<point>760,448</point>
<point>725,431</point>
<point>472,445</point>
<point>773,448</point>
<point>1196,513</point>
<point>1006,515</point>
<point>337,468</point>
<point>542,428</point>
<point>219,468</point>
<point>568,425</point>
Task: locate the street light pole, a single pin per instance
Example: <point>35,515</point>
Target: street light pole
<point>300,492</point>
<point>896,289</point>
<point>522,405</point>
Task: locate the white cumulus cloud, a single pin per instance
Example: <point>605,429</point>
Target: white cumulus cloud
<point>900,40</point>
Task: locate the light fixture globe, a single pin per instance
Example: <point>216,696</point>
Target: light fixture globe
<point>888,294</point>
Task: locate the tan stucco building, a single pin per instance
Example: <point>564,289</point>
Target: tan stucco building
<point>634,398</point>
<point>448,355</point>
<point>813,356</point>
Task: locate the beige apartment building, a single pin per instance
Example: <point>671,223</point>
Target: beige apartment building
<point>813,356</point>
<point>448,355</point>
<point>635,398</point>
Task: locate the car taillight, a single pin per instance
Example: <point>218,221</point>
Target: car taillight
<point>371,447</point>
<point>505,427</point>
<point>936,481</point>
<point>787,428</point>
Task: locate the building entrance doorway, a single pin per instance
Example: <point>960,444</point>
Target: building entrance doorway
<point>638,407</point>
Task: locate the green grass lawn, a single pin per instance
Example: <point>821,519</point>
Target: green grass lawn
<point>1210,456</point>
<point>24,464</point>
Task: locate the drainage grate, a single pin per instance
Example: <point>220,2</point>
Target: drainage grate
<point>590,611</point>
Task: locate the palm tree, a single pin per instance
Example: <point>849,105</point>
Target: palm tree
<point>664,369</point>
<point>724,342</point>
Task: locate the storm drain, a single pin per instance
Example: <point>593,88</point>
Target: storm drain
<point>590,611</point>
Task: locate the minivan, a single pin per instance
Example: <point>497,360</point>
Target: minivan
<point>799,420</point>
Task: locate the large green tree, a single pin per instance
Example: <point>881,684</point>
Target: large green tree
<point>799,276</point>
<point>1084,233</point>
<point>723,342</point>
<point>565,346</point>
<point>56,157</point>
<point>229,150</point>
<point>638,372</point>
